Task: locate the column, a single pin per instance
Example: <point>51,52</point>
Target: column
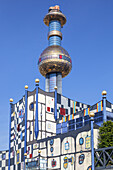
<point>36,115</point>
<point>11,100</point>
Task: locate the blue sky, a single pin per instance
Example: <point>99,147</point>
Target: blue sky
<point>87,36</point>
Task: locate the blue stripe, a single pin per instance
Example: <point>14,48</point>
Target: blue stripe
<point>9,135</point>
<point>55,115</point>
<point>70,117</point>
<point>92,144</point>
<point>74,107</point>
<point>36,115</point>
<point>54,25</point>
<point>54,40</point>
<point>25,140</point>
<point>104,108</point>
<point>86,112</point>
<point>54,57</point>
<point>52,82</point>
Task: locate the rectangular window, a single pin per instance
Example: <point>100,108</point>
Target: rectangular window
<point>108,104</point>
<point>3,156</point>
<point>20,101</point>
<point>58,98</point>
<point>68,102</point>
<point>52,110</point>
<point>66,111</point>
<point>31,106</point>
<point>64,124</point>
<point>79,119</point>
<point>77,104</point>
<point>71,110</point>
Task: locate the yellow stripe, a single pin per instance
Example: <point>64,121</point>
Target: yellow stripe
<point>75,106</point>
<point>97,107</point>
<point>85,112</point>
<point>88,111</point>
<point>13,113</point>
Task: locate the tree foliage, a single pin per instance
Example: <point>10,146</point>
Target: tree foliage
<point>106,135</point>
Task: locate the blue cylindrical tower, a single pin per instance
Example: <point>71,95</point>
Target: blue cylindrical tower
<point>54,27</point>
<point>54,62</point>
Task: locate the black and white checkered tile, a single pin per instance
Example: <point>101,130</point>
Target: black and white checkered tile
<point>47,124</point>
<point>4,160</point>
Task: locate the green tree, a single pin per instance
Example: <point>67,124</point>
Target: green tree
<point>106,135</point>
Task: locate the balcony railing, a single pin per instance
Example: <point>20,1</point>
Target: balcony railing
<point>75,124</point>
<point>104,158</point>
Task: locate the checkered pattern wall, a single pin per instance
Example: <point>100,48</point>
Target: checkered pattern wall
<point>47,125</point>
<point>81,111</point>
<point>4,160</point>
<point>67,109</point>
<point>17,135</point>
<point>109,106</point>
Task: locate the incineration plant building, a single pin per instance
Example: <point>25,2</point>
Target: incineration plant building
<point>48,130</point>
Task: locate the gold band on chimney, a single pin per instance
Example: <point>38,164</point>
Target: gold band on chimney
<point>55,15</point>
<point>55,32</point>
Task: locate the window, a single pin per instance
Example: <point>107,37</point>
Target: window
<point>52,110</point>
<point>31,106</point>
<point>3,156</point>
<point>68,102</point>
<point>58,128</point>
<point>79,119</point>
<point>108,104</point>
<point>58,98</point>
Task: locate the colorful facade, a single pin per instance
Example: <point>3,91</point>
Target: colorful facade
<point>63,144</point>
<point>48,130</point>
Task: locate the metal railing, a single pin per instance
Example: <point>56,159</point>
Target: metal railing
<point>78,123</point>
<point>104,158</point>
